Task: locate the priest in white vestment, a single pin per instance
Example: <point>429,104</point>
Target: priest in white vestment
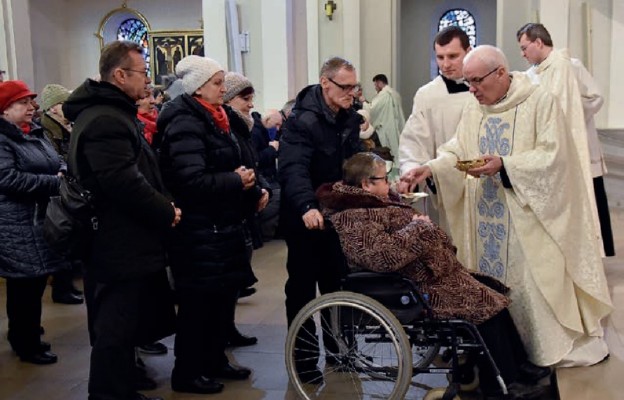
<point>386,114</point>
<point>524,217</point>
<point>580,99</point>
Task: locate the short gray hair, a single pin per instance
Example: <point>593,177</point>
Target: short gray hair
<point>331,66</point>
<point>491,56</point>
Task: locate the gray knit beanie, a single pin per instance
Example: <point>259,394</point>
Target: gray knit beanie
<point>194,71</point>
<point>234,84</point>
<point>52,95</point>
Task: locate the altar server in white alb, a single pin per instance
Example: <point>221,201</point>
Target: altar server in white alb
<point>568,79</point>
<point>437,108</point>
<point>525,216</point>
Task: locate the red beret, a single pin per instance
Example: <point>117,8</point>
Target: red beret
<point>12,91</point>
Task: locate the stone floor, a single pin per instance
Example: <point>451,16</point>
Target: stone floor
<point>262,315</point>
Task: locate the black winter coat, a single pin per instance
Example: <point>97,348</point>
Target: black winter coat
<point>313,146</point>
<point>111,158</point>
<point>267,155</point>
<point>28,177</point>
<point>198,161</point>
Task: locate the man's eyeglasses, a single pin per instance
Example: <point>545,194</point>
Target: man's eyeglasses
<point>144,72</point>
<point>523,48</point>
<point>477,81</point>
<point>378,178</point>
<point>345,88</point>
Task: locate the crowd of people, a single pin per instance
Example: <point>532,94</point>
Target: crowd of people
<point>188,177</point>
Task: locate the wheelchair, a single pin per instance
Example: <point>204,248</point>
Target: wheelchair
<point>378,336</point>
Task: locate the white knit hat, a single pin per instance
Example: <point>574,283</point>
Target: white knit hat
<point>194,71</point>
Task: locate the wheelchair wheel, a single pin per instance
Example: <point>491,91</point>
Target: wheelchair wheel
<point>437,394</point>
<point>364,352</point>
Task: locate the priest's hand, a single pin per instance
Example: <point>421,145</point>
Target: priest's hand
<point>413,177</point>
<point>492,167</point>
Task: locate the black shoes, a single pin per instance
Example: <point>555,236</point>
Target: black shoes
<point>531,373</point>
<point>139,396</point>
<point>246,292</point>
<point>232,372</point>
<point>201,385</point>
<point>67,298</point>
<point>237,339</point>
<point>39,358</point>
<point>153,348</point>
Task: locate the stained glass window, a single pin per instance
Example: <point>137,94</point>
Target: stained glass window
<point>134,30</point>
<point>463,19</point>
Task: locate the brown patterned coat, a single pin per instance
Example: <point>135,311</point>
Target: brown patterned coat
<point>379,235</point>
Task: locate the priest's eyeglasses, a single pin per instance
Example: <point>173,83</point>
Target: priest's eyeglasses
<point>345,88</point>
<point>478,81</point>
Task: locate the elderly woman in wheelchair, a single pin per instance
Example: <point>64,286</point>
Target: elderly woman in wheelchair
<point>429,301</point>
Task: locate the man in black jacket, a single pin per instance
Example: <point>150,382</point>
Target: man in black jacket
<point>126,260</point>
<point>321,132</point>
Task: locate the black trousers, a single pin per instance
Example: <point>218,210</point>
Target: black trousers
<point>118,315</point>
<point>23,306</point>
<point>314,259</point>
<point>503,341</point>
<point>605,217</point>
<point>204,316</point>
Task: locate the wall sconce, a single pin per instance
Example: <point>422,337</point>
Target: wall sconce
<point>330,7</point>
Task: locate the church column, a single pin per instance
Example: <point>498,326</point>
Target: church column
<point>274,53</point>
<point>314,62</point>
<point>554,14</point>
<point>616,81</point>
<point>351,32</point>
<point>16,56</point>
<point>215,34</point>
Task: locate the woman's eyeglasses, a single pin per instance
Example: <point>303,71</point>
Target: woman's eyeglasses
<point>378,178</point>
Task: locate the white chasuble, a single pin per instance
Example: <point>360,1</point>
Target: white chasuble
<point>536,237</point>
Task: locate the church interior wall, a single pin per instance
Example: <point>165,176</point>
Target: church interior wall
<point>64,46</point>
<point>418,27</point>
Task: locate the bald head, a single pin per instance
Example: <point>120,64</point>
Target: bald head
<point>491,56</point>
<point>486,70</point>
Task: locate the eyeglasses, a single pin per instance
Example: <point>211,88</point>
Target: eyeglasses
<point>345,88</point>
<point>144,72</point>
<point>523,48</point>
<point>378,178</point>
<point>477,81</point>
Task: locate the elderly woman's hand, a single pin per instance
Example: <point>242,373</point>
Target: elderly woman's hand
<point>248,177</point>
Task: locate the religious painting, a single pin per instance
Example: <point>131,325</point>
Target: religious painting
<point>169,47</point>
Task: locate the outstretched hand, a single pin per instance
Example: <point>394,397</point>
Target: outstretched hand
<point>413,177</point>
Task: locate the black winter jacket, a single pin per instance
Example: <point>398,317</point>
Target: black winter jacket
<point>110,157</point>
<point>267,155</point>
<point>28,177</point>
<point>198,161</point>
<point>313,146</point>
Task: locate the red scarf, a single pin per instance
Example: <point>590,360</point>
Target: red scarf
<point>218,114</point>
<point>149,119</point>
<point>25,128</point>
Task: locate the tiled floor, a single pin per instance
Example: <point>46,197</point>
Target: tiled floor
<point>261,315</point>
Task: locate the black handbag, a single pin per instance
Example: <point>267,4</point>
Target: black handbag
<point>70,219</point>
